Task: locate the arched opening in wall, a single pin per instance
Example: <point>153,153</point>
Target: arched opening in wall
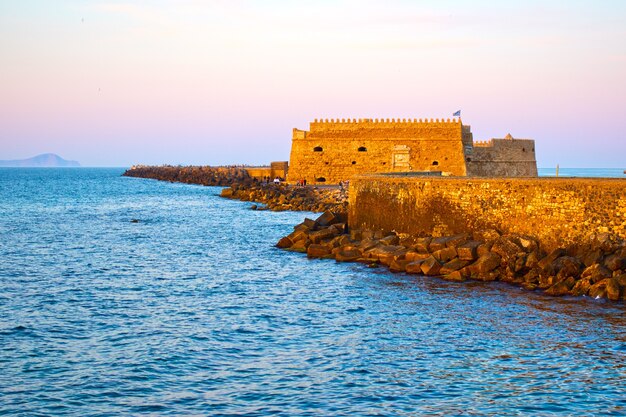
<point>362,149</point>
<point>353,162</point>
<point>384,163</point>
<point>468,159</point>
<point>326,163</point>
<point>523,149</point>
<point>318,149</point>
<point>533,150</point>
<point>435,162</point>
<point>320,179</point>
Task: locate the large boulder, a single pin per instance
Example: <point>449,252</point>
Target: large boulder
<point>398,265</point>
<point>566,266</point>
<point>445,254</point>
<point>300,246</point>
<point>438,243</point>
<point>485,264</point>
<point>430,266</point>
<point>348,254</point>
<point>452,266</point>
<point>581,287</point>
<point>297,235</point>
<point>551,257</point>
<point>457,276</point>
<point>317,251</point>
<point>391,240</point>
<point>483,249</point>
<point>598,290</point>
<point>615,262</point>
<point>284,243</point>
<point>227,192</point>
<point>561,288</point>
<point>422,244</point>
<point>596,273</point>
<point>527,243</point>
<point>386,254</point>
<point>326,219</point>
<point>467,251</point>
<point>457,240</point>
<point>414,267</point>
<point>320,235</point>
<point>612,289</point>
<point>412,256</point>
<point>593,256</point>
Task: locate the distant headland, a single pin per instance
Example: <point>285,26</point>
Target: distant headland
<point>46,160</point>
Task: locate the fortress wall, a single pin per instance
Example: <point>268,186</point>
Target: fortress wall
<point>276,169</point>
<point>502,158</point>
<point>348,148</point>
<point>556,211</point>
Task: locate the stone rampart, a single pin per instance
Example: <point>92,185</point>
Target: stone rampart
<point>276,169</point>
<point>335,150</point>
<point>502,158</point>
<point>557,211</point>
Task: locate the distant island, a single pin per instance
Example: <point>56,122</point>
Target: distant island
<point>44,161</point>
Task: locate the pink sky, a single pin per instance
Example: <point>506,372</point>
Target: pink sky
<point>218,82</point>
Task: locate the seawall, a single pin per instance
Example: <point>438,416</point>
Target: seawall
<point>557,211</point>
<point>243,185</point>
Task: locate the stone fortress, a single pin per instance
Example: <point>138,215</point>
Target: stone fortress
<point>335,150</point>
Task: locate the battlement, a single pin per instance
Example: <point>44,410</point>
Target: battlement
<point>483,143</point>
<point>342,124</point>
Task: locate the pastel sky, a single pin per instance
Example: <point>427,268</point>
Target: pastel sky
<point>113,83</point>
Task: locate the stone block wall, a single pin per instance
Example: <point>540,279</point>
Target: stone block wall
<point>276,169</point>
<point>502,158</point>
<point>336,150</point>
<point>557,211</point>
<point>333,151</point>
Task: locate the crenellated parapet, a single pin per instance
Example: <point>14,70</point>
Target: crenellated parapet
<point>483,143</point>
<point>346,124</point>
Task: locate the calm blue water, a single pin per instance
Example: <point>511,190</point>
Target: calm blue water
<point>583,172</point>
<point>192,311</point>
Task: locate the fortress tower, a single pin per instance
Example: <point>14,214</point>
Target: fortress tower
<point>335,150</point>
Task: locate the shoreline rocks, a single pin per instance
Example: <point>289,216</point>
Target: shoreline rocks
<point>287,197</point>
<point>595,268</point>
<point>241,186</point>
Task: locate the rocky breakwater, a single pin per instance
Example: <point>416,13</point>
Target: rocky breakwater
<point>596,268</point>
<point>287,197</point>
<point>201,175</point>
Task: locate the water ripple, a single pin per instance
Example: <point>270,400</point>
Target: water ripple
<point>192,311</point>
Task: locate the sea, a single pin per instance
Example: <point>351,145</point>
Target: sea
<point>133,297</point>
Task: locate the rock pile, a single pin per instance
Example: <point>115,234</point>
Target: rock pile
<point>202,175</point>
<point>243,187</point>
<point>596,268</point>
<point>286,197</point>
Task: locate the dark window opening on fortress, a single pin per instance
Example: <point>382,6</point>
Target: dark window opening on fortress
<point>523,149</point>
<point>320,179</point>
<point>353,162</point>
<point>326,163</point>
<point>362,149</point>
<point>384,163</point>
<point>468,159</point>
<point>318,149</point>
<point>435,162</point>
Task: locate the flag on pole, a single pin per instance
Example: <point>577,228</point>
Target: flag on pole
<point>456,113</point>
